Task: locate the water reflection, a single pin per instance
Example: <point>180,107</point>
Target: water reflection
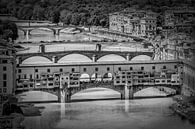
<point>115,114</point>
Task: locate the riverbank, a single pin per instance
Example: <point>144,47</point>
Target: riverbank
<point>184,107</point>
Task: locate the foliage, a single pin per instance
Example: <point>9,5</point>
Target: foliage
<point>8,30</point>
<point>83,12</point>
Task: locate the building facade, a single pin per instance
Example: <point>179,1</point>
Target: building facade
<point>48,76</point>
<point>188,79</point>
<point>134,22</point>
<point>179,20</point>
<point>7,68</point>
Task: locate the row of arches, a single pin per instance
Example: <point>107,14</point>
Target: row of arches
<point>45,29</point>
<point>95,77</point>
<point>81,58</point>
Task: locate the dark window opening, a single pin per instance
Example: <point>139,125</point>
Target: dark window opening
<point>4,68</point>
<point>96,69</point>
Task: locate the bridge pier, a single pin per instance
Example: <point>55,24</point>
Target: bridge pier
<point>56,31</point>
<point>94,58</point>
<point>64,95</point>
<point>127,92</point>
<point>127,57</point>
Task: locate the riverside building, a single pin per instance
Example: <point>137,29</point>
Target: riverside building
<point>134,22</point>
<point>7,68</point>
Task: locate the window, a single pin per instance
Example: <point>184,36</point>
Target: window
<point>117,81</point>
<point>4,84</point>
<point>142,68</point>
<point>4,90</point>
<point>119,68</point>
<point>84,69</point>
<point>131,68</point>
<point>61,70</point>
<point>108,68</point>
<point>36,70</point>
<point>96,69</point>
<point>30,76</point>
<point>19,71</point>
<point>153,67</point>
<point>4,76</point>
<point>48,70</point>
<point>37,76</point>
<point>0,90</point>
<point>72,69</point>
<point>19,76</point>
<point>4,61</point>
<point>164,67</point>
<point>175,66</point>
<point>24,76</point>
<point>4,68</point>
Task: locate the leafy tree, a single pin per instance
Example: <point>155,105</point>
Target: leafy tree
<point>56,17</point>
<point>8,30</point>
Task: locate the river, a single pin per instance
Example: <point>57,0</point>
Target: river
<point>108,114</point>
<point>150,113</point>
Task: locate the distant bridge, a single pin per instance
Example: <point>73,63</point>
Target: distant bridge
<point>55,28</point>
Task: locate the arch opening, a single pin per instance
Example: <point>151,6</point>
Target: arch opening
<point>107,77</point>
<point>111,57</point>
<point>40,30</point>
<point>155,91</point>
<point>96,77</point>
<point>37,96</point>
<point>37,60</point>
<point>96,94</point>
<point>84,77</point>
<point>141,57</point>
<point>74,58</point>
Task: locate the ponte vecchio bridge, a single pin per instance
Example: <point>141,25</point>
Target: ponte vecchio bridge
<point>126,77</point>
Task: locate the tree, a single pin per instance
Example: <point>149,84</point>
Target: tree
<point>8,30</point>
<point>56,17</point>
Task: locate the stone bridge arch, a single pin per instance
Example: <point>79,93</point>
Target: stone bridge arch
<point>142,57</point>
<point>110,57</point>
<point>34,59</point>
<point>75,57</point>
<point>108,85</point>
<point>39,95</point>
<point>140,88</point>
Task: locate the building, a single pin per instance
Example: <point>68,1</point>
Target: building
<point>7,68</point>
<point>141,77</point>
<point>177,46</point>
<point>134,22</point>
<point>179,19</point>
<point>188,79</point>
<point>48,76</point>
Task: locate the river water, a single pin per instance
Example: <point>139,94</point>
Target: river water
<point>108,114</point>
<point>150,113</point>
